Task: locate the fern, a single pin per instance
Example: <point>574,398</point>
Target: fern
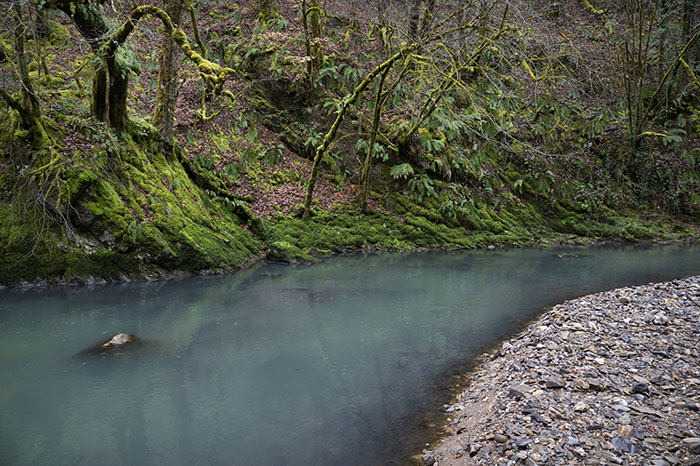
<point>402,171</point>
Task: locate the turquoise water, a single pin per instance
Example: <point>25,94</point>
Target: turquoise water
<point>343,363</point>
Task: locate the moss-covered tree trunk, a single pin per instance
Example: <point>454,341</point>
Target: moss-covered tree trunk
<point>166,96</point>
<point>315,24</point>
<point>110,87</point>
<point>688,27</point>
<point>414,19</point>
<point>363,192</point>
<point>428,16</point>
<point>195,27</point>
<point>29,99</point>
<point>111,81</point>
<point>27,106</point>
<point>264,9</point>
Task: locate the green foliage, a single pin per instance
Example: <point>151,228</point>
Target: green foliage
<point>421,186</point>
<point>136,230</point>
<point>327,77</point>
<point>673,137</point>
<point>273,155</point>
<point>379,152</point>
<point>431,143</point>
<point>540,184</point>
<point>403,171</point>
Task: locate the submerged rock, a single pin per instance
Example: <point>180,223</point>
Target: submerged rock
<point>566,255</point>
<point>118,342</point>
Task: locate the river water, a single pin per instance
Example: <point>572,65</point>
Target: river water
<point>340,363</point>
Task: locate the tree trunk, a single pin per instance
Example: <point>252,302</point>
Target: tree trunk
<point>415,19</point>
<point>41,22</point>
<point>166,96</point>
<point>689,9</point>
<point>664,20</point>
<point>109,91</point>
<point>111,82</point>
<point>28,106</point>
<point>264,9</point>
<point>363,193</point>
<point>195,27</point>
<point>428,15</point>
<point>29,99</point>
<point>483,24</point>
<point>316,27</point>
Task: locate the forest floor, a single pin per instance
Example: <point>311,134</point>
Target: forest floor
<point>609,378</point>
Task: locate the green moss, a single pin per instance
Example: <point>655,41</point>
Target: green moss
<point>138,215</point>
<point>347,230</point>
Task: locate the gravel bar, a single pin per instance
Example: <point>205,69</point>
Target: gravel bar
<point>611,378</point>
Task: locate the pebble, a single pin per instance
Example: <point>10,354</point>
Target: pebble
<point>523,442</point>
<point>610,378</point>
<point>693,444</point>
<point>640,388</point>
<point>554,382</point>
<point>623,444</point>
<point>580,407</point>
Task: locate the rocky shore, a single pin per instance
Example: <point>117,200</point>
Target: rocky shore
<point>607,379</point>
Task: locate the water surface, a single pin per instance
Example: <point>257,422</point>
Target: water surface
<point>343,363</point>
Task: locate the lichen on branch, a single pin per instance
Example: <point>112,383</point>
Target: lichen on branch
<point>211,72</point>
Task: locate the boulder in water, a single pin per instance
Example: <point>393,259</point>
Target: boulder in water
<point>117,342</point>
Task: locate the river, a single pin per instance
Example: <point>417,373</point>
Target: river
<point>344,362</point>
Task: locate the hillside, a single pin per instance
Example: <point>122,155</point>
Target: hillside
<point>142,141</point>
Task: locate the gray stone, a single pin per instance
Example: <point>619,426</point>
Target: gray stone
<point>523,442</point>
<point>645,410</point>
<point>691,406</point>
<point>624,444</point>
<point>120,339</point>
<point>595,384</point>
<point>554,382</point>
<point>580,407</point>
<point>640,388</point>
<point>693,444</point>
<point>519,390</point>
<point>658,379</point>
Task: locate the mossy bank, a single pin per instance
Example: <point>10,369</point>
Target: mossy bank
<point>121,212</point>
<point>125,212</point>
<point>374,130</point>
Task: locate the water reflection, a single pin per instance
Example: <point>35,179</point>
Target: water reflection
<point>336,363</point>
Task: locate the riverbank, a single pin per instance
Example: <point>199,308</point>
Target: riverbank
<point>609,378</point>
